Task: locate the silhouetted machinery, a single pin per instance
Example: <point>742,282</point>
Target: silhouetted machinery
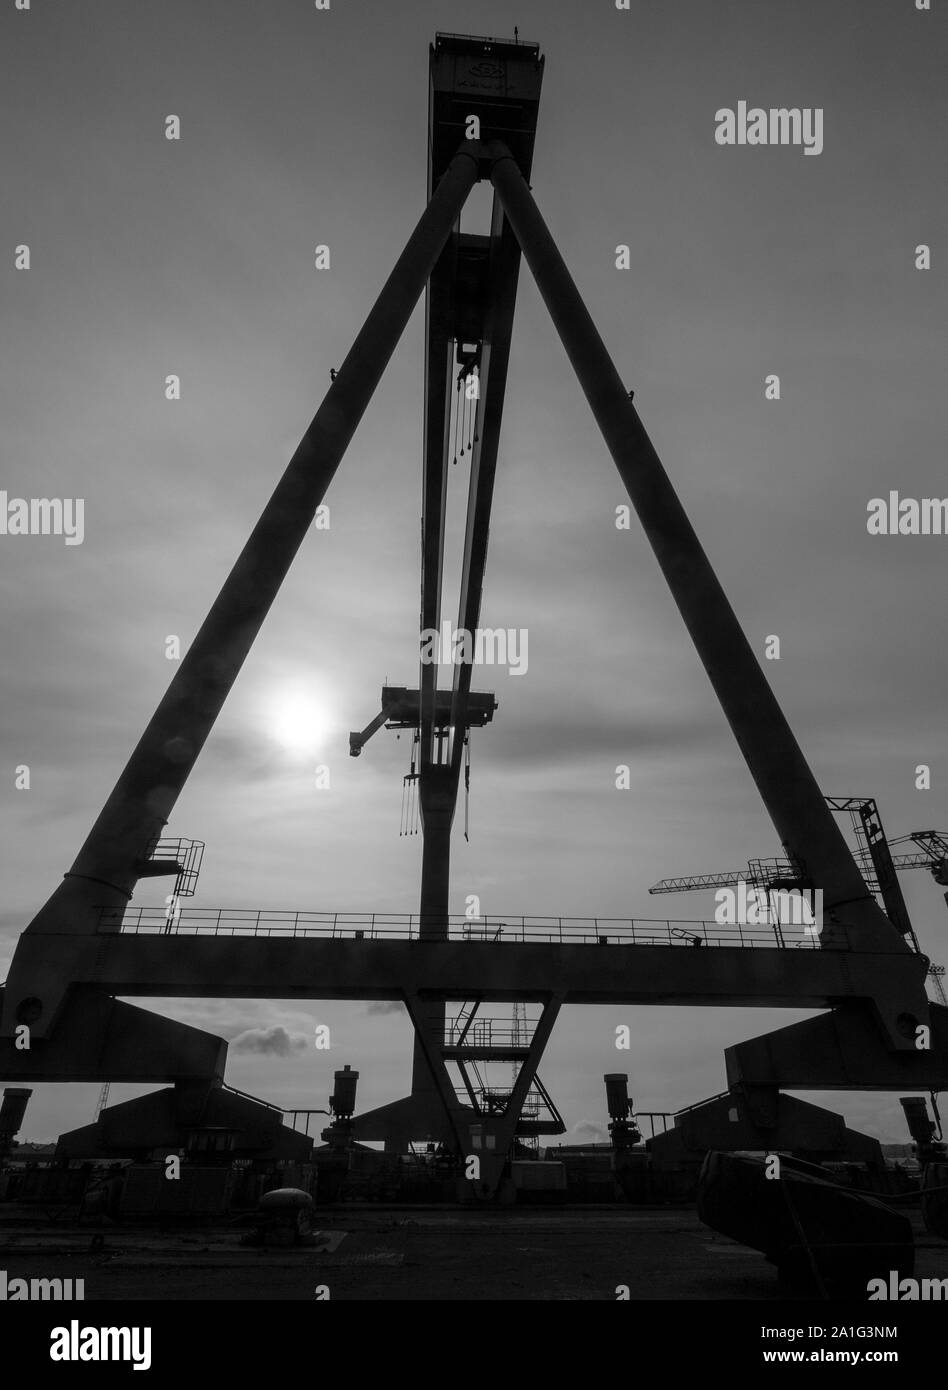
<point>622,1126</point>
<point>926,1134</point>
<point>86,952</point>
<point>284,1217</point>
<point>342,1104</point>
<point>932,1153</point>
<point>821,1236</point>
<point>12,1111</point>
<point>401,709</point>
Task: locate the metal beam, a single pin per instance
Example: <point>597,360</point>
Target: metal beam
<point>429,1034</point>
<point>158,768</point>
<point>789,790</point>
<point>495,357</point>
<point>218,967</point>
<point>528,1069</point>
<point>438,784</point>
<point>841,1051</point>
<point>104,1039</point>
<point>439,358</point>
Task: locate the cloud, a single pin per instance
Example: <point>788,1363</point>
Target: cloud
<point>587,1132</point>
<point>385,1006</point>
<point>560,738</point>
<point>276,1042</point>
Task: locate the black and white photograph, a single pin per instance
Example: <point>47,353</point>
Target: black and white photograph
<point>473,556</point>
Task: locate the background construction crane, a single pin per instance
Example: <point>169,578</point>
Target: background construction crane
<point>873,853</point>
<point>874,856</point>
<point>103,1100</point>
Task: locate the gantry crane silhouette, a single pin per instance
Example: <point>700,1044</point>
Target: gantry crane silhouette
<point>85,951</point>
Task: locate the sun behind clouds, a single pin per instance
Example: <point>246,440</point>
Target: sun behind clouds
<point>299,720</point>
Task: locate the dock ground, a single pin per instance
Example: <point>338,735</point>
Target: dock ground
<point>420,1253</point>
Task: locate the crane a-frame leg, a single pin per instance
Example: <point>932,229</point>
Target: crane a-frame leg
<point>776,762</point>
<point>115,854</point>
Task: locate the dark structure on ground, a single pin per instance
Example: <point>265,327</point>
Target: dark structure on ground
<point>821,1237</point>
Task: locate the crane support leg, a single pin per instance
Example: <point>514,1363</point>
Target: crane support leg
<point>773,755</point>
<point>159,766</point>
<point>495,1133</point>
<point>438,792</point>
<point>842,1051</point>
<point>776,762</point>
<point>110,861</point>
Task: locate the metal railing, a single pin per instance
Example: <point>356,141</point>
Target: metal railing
<point>492,1100</point>
<point>291,1118</point>
<point>487,1032</point>
<point>177,920</point>
<point>708,1100</point>
<point>655,1117</point>
<point>245,1095</point>
<point>185,855</point>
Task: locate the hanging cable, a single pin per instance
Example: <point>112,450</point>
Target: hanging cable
<point>417,786</point>
<point>411,809</point>
<point>457,412</point>
<point>408,791</point>
<point>471,412</point>
<point>934,1099</point>
<point>467,783</point>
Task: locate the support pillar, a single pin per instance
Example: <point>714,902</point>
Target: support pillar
<point>437,797</point>
<point>789,790</point>
<point>158,768</point>
<point>116,849</point>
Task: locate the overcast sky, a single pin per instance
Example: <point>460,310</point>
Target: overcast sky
<point>195,257</point>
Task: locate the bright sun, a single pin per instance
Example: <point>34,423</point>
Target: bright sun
<point>299,721</point>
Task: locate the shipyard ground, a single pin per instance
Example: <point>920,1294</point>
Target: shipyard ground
<point>421,1253</point>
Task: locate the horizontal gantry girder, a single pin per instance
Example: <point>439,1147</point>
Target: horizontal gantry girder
<point>174,965</point>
